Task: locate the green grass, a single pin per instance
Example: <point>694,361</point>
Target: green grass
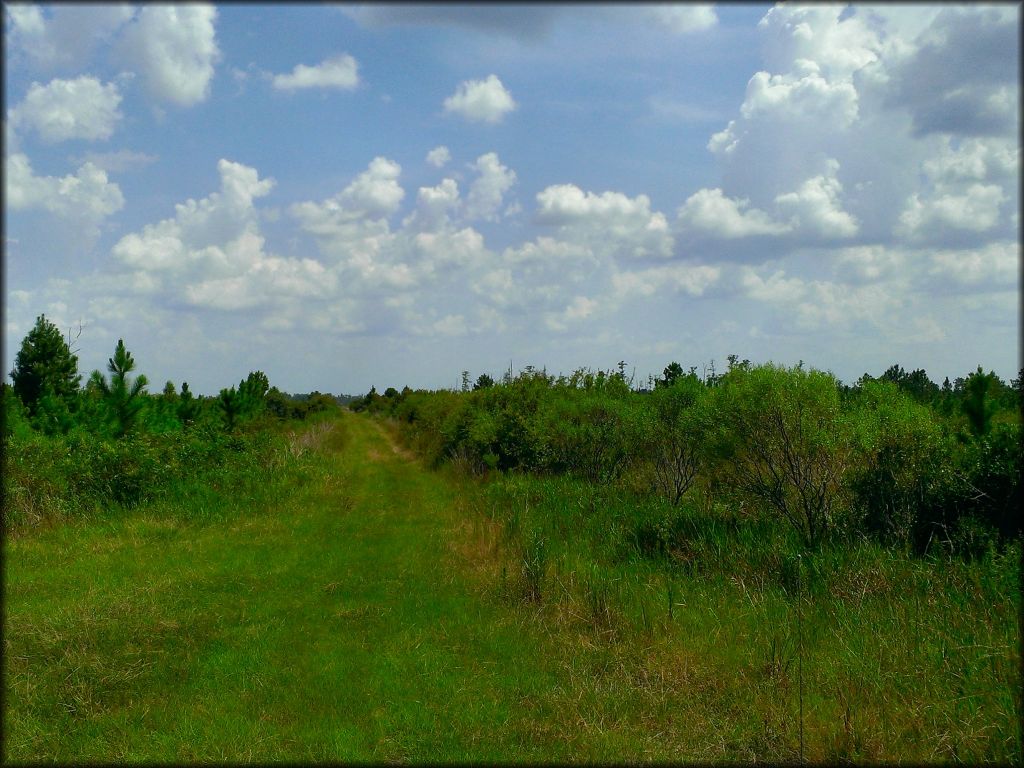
<point>353,606</point>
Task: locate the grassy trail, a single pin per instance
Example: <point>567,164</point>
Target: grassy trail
<point>337,625</point>
<point>356,609</point>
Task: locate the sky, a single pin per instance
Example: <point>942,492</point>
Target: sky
<point>353,196</point>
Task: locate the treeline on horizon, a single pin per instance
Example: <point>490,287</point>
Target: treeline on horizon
<point>896,457</point>
<point>71,446</point>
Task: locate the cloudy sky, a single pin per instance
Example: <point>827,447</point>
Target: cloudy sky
<point>387,195</point>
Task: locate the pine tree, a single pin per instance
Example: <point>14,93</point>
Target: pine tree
<point>124,398</point>
<point>45,367</point>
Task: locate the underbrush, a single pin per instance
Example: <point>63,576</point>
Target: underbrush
<point>887,654</point>
<point>199,474</point>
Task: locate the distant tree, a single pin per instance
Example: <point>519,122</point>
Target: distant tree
<point>978,406</point>
<point>390,392</point>
<point>123,397</point>
<point>188,406</point>
<point>253,392</point>
<point>483,381</point>
<point>230,403</point>
<point>672,372</point>
<point>45,366</point>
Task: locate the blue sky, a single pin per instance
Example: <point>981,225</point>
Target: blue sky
<point>347,196</point>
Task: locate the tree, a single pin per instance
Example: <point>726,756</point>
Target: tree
<point>672,372</point>
<point>788,444</point>
<point>253,392</point>
<point>483,381</point>
<point>45,366</point>
<point>230,402</point>
<point>188,406</point>
<point>124,398</point>
<point>676,437</point>
<point>979,407</point>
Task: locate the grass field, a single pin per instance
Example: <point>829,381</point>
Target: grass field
<point>355,606</point>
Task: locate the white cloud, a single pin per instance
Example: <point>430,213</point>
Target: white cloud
<point>359,212</point>
<point>82,108</point>
<point>684,18</point>
<point>439,156</point>
<point>218,235</point>
<point>976,210</point>
<point>692,280</point>
<point>580,308</point>
<point>211,254</point>
<point>87,196</point>
<point>776,288</point>
<point>815,206</point>
<point>175,49</point>
<point>839,42</point>
<point>997,266</point>
<point>481,100</point>
<point>610,223</point>
<point>68,36</point>
<point>337,72</point>
<point>958,76</point>
<point>977,159</point>
<point>488,190</point>
<point>709,211</point>
<point>800,96</point>
<point>432,207</point>
<point>870,262</point>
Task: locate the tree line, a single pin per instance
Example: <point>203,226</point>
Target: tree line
<point>47,394</point>
<point>895,457</point>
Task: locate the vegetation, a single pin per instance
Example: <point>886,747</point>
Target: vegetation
<point>760,565</point>
<point>895,458</point>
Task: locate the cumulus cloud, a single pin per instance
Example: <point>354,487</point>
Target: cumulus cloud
<point>67,37</point>
<point>776,287</point>
<point>433,205</point>
<point>815,206</point>
<point>801,95</point>
<point>218,235</point>
<point>359,212</point>
<point>610,222</point>
<point>580,308</point>
<point>211,254</point>
<point>338,72</point>
<point>481,100</point>
<point>962,75</point>
<point>174,47</point>
<point>439,156</point>
<point>692,280</point>
<point>897,99</point>
<point>684,18</point>
<point>709,211</point>
<point>976,210</point>
<point>995,266</point>
<point>61,110</point>
<point>87,196</point>
<point>488,190</point>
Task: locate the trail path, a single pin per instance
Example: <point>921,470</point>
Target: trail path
<point>342,626</point>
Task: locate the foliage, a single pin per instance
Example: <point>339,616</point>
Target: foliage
<point>45,374</point>
<point>123,397</point>
<point>787,445</point>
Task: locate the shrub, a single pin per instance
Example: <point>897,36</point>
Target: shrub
<point>787,444</point>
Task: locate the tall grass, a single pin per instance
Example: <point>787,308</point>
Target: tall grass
<point>902,657</point>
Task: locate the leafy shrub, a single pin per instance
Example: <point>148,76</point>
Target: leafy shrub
<point>787,444</point>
